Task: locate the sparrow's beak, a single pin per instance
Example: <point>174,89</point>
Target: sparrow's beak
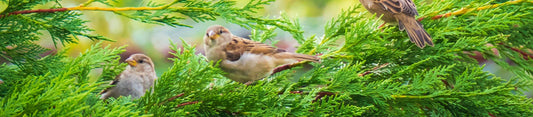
<point>131,62</point>
<point>212,35</point>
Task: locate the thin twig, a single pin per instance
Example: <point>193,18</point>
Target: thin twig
<point>446,83</point>
<point>35,11</point>
<point>319,95</point>
<point>491,115</point>
<point>186,103</point>
<point>83,7</point>
<point>172,98</point>
<point>373,69</point>
<point>465,10</point>
<point>525,55</point>
<point>288,66</point>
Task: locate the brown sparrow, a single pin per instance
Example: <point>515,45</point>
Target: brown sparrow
<point>402,12</point>
<point>138,77</point>
<point>245,60</point>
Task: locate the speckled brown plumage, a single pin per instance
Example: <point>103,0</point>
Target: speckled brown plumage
<point>402,12</point>
<point>245,60</point>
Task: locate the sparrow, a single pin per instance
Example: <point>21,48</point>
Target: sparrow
<point>402,12</point>
<point>245,60</point>
<point>138,77</point>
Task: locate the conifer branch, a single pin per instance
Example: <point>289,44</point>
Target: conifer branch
<point>373,69</point>
<point>83,7</point>
<point>525,55</point>
<point>465,10</point>
<point>288,66</point>
<point>319,95</point>
<point>172,98</point>
<point>186,103</point>
<point>434,81</point>
<point>35,11</point>
<point>492,115</point>
<point>447,84</point>
<point>455,95</point>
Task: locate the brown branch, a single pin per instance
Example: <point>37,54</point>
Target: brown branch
<point>288,66</point>
<point>319,95</point>
<point>447,84</point>
<point>292,92</point>
<point>525,55</point>
<point>186,103</point>
<point>491,115</point>
<point>35,11</point>
<point>296,92</point>
<point>373,69</point>
<point>172,98</point>
<point>479,56</point>
<point>83,7</point>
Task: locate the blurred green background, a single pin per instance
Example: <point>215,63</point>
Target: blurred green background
<point>153,40</point>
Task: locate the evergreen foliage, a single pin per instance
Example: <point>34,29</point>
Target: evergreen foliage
<point>375,72</point>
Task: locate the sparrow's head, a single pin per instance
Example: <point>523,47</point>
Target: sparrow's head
<point>216,35</point>
<point>140,63</point>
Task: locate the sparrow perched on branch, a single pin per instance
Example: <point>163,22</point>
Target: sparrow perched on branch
<point>245,60</point>
<point>402,12</point>
<point>138,77</point>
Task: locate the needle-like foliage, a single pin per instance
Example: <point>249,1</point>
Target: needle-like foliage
<point>374,72</point>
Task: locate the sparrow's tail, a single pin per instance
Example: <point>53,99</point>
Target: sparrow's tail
<point>415,31</point>
<point>296,56</point>
<point>306,57</point>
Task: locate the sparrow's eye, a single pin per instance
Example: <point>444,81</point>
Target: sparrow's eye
<point>141,61</point>
<point>221,31</point>
<point>207,34</point>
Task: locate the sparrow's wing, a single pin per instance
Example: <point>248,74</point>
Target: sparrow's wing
<point>114,82</point>
<point>238,46</point>
<point>398,6</point>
